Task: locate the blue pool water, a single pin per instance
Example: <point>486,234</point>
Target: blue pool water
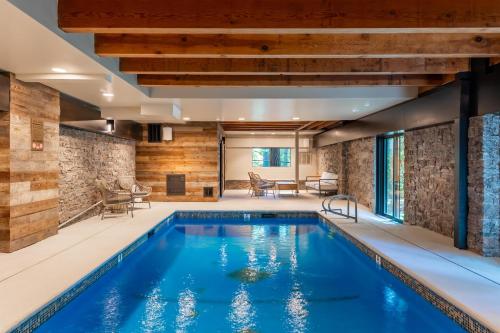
<point>262,275</point>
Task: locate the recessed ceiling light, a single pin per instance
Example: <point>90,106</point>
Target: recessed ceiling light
<point>296,118</point>
<point>186,118</point>
<point>59,70</point>
<point>108,94</point>
<point>252,133</point>
<point>355,110</point>
<point>241,118</point>
<point>367,104</point>
<point>217,119</point>
<point>273,133</point>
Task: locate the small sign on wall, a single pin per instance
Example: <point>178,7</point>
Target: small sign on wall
<point>36,135</point>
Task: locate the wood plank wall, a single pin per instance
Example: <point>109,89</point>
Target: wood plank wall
<point>4,165</point>
<point>193,153</point>
<point>34,175</point>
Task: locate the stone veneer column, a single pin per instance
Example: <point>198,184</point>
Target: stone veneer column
<point>33,175</point>
<point>429,178</point>
<point>353,162</point>
<point>484,185</point>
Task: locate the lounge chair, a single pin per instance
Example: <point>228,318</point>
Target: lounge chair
<point>260,186</point>
<point>113,199</point>
<point>326,183</point>
<point>137,190</point>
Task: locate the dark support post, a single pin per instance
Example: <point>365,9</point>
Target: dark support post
<point>468,108</point>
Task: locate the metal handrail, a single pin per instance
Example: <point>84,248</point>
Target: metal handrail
<point>79,214</point>
<point>327,208</point>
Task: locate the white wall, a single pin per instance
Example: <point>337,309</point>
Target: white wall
<point>239,158</point>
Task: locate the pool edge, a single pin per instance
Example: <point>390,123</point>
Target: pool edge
<point>45,312</point>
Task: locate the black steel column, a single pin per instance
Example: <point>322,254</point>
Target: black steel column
<point>468,108</point>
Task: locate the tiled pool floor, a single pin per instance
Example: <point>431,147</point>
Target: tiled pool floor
<point>31,277</point>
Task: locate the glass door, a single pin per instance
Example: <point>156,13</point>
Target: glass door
<point>390,176</point>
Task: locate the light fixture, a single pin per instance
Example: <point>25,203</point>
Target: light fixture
<point>186,118</point>
<point>241,118</point>
<point>273,133</point>
<point>108,94</point>
<point>296,118</point>
<point>59,70</point>
<point>252,133</point>
<point>367,104</point>
<point>355,110</point>
<point>217,119</point>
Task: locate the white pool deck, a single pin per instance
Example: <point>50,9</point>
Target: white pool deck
<point>33,276</point>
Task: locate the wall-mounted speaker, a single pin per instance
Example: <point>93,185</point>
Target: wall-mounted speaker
<point>167,134</point>
<point>154,133</point>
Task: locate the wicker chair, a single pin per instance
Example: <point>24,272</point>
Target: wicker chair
<point>137,190</point>
<point>113,199</point>
<point>260,186</point>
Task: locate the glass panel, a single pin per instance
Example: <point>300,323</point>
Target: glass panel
<point>271,157</point>
<point>393,177</point>
<point>401,177</point>
<point>389,176</point>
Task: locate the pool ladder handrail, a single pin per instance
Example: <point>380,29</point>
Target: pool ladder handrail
<point>338,211</point>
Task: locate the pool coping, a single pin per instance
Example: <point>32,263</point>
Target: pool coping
<point>42,314</point>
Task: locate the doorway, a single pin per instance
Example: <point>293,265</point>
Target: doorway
<point>390,176</point>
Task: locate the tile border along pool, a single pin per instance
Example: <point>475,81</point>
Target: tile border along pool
<point>44,313</point>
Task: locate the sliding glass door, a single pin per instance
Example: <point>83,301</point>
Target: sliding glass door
<point>390,176</point>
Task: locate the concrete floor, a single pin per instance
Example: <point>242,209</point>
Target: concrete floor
<point>31,277</point>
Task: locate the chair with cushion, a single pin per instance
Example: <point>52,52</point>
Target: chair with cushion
<point>136,189</point>
<point>113,200</point>
<point>260,186</point>
<point>326,183</point>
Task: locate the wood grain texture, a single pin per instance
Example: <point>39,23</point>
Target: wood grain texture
<point>193,153</point>
<point>296,66</point>
<point>33,175</point>
<point>418,80</point>
<point>223,16</point>
<point>377,45</point>
<point>5,176</point>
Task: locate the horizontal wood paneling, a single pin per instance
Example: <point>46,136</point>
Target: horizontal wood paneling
<point>4,173</point>
<point>32,175</point>
<point>192,153</point>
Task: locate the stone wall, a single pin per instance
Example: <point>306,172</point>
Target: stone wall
<point>429,178</point>
<point>361,170</point>
<point>484,185</point>
<point>332,158</point>
<point>83,157</point>
<point>353,162</point>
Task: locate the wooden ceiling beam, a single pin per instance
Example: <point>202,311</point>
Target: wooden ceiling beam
<point>291,80</point>
<point>380,45</point>
<point>257,16</point>
<point>293,66</point>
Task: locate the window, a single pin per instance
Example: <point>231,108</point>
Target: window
<point>390,176</point>
<point>271,157</point>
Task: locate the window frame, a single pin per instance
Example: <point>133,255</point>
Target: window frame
<point>288,162</point>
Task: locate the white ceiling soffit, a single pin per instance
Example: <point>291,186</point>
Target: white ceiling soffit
<point>261,109</point>
<point>32,50</point>
<point>147,113</point>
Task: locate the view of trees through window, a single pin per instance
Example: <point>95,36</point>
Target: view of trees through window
<point>271,157</point>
